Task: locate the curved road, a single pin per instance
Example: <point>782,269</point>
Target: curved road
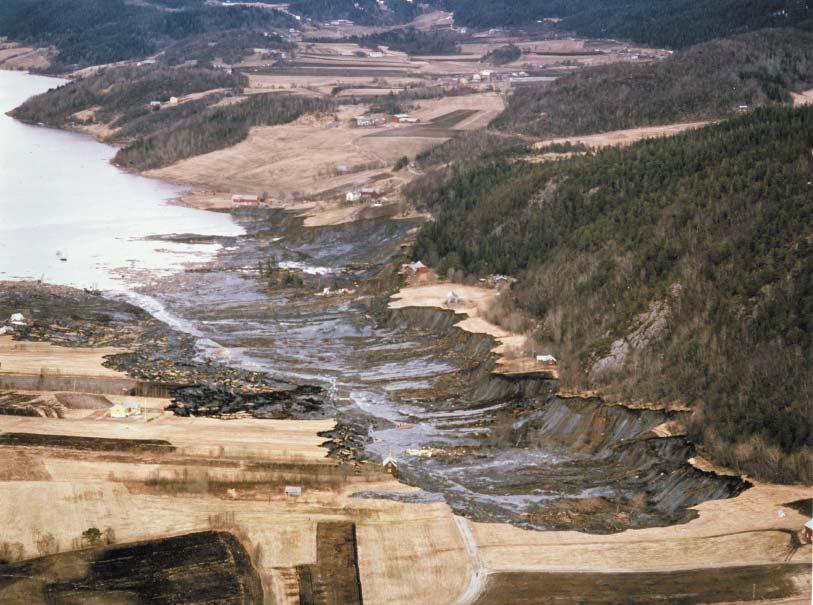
<point>479,573</point>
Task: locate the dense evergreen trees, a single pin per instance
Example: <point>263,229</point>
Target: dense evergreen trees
<point>661,23</point>
<point>413,41</point>
<point>717,225</point>
<point>92,32</point>
<point>707,81</point>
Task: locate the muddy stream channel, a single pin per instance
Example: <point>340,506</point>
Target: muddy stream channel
<point>407,383</point>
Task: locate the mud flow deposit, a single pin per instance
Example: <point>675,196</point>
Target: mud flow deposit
<point>307,306</point>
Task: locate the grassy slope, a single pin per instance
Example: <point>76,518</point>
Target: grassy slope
<point>716,224</point>
<point>210,129</point>
<point>707,81</point>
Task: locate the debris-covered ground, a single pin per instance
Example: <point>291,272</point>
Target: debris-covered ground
<point>157,354</point>
<point>407,384</point>
<point>241,338</point>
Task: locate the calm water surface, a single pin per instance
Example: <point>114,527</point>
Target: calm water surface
<point>59,193</point>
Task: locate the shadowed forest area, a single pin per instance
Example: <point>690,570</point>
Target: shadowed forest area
<point>93,32</point>
<point>705,82</point>
<point>663,23</point>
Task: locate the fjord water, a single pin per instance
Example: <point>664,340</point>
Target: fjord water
<point>59,193</point>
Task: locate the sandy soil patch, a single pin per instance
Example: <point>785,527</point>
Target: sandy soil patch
<point>746,530</point>
<point>204,199</point>
<point>15,56</point>
<point>85,121</point>
<point>620,138</point>
<point>511,349</point>
<point>488,105</point>
<point>246,438</point>
<point>18,357</point>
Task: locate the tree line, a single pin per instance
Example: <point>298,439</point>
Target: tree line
<point>662,23</point>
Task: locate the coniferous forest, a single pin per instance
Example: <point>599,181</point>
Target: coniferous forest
<point>711,230</point>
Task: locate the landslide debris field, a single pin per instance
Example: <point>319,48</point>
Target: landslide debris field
<point>164,362</point>
<point>407,382</point>
<point>304,311</point>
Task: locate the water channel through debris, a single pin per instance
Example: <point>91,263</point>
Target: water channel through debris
<point>308,306</point>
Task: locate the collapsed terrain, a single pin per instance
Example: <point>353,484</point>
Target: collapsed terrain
<point>232,451</point>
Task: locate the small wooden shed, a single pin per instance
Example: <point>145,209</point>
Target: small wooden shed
<point>390,466</point>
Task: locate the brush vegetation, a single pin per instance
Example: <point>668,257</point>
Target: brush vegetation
<point>503,54</point>
<point>707,235</point>
<point>227,47</point>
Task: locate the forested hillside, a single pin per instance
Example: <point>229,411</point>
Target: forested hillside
<point>661,23</point>
<point>165,139</point>
<point>92,32</point>
<point>675,269</point>
<point>120,94</point>
<point>707,81</point>
<point>412,41</point>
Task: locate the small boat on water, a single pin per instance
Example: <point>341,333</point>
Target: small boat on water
<point>61,256</point>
